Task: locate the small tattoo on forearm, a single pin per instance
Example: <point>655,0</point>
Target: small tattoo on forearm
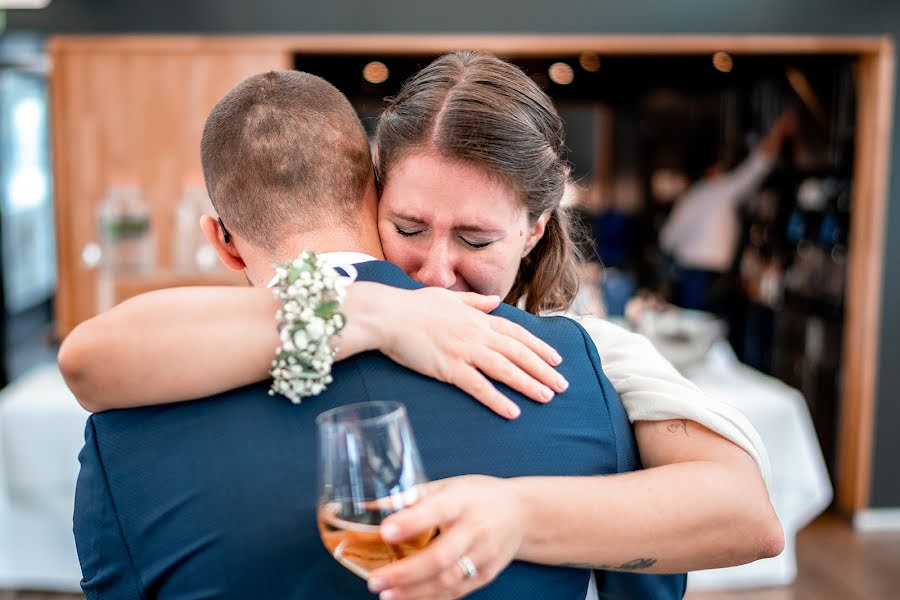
<point>680,425</point>
<point>637,564</point>
<point>582,566</point>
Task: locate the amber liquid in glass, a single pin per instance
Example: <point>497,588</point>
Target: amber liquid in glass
<point>355,540</point>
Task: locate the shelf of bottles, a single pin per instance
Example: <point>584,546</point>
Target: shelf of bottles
<point>125,254</point>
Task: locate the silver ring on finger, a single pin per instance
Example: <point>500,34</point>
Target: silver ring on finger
<point>468,568</point>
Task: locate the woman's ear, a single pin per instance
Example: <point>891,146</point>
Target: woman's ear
<point>227,251</point>
<point>537,230</point>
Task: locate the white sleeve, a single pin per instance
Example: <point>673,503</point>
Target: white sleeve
<point>748,175</point>
<point>652,389</point>
<point>680,224</point>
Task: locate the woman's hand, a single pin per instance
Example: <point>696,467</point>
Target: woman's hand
<point>448,336</point>
<point>479,518</point>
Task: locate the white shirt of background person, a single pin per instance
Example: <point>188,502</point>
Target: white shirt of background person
<point>702,230</point>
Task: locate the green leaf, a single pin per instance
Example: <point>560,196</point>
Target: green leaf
<point>327,309</point>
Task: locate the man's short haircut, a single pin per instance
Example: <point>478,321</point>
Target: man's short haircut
<point>284,152</point>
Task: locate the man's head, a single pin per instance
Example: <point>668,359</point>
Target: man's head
<point>287,165</point>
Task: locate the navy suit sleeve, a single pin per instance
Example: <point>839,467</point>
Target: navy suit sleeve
<point>106,565</point>
<point>620,585</point>
<point>626,448</point>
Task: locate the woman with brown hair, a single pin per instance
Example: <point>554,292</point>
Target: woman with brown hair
<point>472,170</point>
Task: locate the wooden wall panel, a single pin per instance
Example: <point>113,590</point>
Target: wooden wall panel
<point>135,116</point>
<point>875,75</point>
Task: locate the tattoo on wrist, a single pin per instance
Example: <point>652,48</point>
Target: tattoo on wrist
<point>680,425</point>
<point>637,564</point>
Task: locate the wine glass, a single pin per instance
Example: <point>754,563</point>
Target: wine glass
<point>369,468</point>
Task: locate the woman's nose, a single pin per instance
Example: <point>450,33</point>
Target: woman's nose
<point>437,267</point>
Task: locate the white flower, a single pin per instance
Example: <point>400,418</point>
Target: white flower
<point>315,328</point>
<point>301,340</point>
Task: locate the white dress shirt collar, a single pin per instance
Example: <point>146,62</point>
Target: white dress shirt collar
<point>341,259</point>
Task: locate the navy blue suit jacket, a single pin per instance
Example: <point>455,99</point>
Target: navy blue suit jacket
<point>216,498</point>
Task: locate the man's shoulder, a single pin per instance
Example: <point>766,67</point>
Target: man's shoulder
<point>551,325</point>
<point>381,271</point>
<point>388,273</point>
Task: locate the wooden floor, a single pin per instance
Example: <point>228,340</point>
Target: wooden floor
<point>834,563</point>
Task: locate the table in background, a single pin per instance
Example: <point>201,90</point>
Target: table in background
<point>41,433</point>
<point>799,486</point>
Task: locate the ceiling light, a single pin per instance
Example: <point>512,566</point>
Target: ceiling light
<point>375,72</point>
<point>589,61</point>
<point>561,73</point>
<point>722,62</point>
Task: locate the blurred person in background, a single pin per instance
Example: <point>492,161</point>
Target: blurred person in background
<point>433,176</point>
<point>701,233</point>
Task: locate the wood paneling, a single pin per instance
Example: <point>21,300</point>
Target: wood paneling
<point>130,116</point>
<point>875,76</point>
<point>512,45</point>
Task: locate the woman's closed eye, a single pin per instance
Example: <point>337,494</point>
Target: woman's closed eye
<point>408,232</point>
<point>477,244</point>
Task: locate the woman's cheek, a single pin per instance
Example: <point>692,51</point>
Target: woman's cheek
<point>399,252</point>
<point>486,277</point>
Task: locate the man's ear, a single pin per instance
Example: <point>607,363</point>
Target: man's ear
<point>537,231</point>
<point>228,253</point>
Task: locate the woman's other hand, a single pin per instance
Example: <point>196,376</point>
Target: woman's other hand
<point>449,336</point>
<point>479,518</point>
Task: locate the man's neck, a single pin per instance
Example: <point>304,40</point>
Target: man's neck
<point>331,241</point>
<point>362,238</point>
<point>259,269</point>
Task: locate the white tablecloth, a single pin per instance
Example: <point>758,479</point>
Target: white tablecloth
<point>800,488</point>
<point>41,433</point>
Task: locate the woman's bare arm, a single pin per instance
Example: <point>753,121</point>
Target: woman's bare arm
<point>700,504</point>
<point>169,345</point>
<point>186,343</point>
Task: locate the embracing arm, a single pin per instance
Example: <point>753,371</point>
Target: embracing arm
<point>702,497</point>
<point>186,343</point>
<point>169,345</point>
<point>701,501</point>
<point>699,504</point>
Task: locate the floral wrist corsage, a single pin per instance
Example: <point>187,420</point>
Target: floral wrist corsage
<point>311,293</point>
